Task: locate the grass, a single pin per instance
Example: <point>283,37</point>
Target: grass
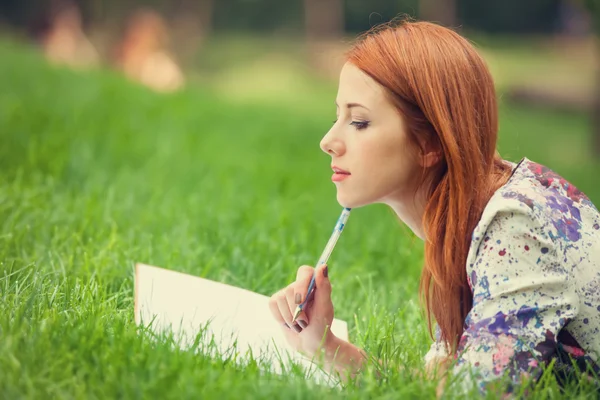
<point>97,173</point>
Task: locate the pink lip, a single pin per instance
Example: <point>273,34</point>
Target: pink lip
<point>338,170</point>
<point>339,174</point>
<point>339,177</point>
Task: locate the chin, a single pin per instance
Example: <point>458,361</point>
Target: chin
<point>348,202</point>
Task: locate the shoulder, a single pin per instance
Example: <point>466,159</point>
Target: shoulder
<point>535,198</point>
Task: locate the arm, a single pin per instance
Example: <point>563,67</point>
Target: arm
<point>343,357</point>
<point>312,337</point>
<point>522,298</point>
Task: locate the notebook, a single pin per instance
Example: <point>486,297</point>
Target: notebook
<point>219,320</point>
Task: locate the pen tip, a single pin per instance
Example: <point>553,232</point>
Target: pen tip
<point>296,313</point>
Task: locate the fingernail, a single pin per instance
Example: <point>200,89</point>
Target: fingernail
<point>286,325</point>
<point>298,298</point>
<point>302,323</point>
<point>325,272</point>
<point>297,328</point>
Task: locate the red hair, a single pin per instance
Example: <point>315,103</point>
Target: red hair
<point>445,94</point>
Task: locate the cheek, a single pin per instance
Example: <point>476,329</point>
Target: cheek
<point>380,171</point>
<point>388,165</point>
<point>387,155</point>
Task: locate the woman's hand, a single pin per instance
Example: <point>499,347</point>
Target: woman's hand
<point>311,330</point>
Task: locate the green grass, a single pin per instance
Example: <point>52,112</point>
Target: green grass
<point>97,174</point>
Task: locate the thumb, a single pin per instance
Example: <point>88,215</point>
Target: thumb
<point>323,287</point>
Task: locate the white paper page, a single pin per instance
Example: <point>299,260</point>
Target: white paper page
<point>183,304</point>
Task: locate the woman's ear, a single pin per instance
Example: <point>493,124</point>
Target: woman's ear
<point>431,153</point>
<point>430,159</point>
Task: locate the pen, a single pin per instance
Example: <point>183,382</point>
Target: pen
<point>337,231</point>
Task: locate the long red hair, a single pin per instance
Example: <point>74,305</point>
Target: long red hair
<point>445,93</point>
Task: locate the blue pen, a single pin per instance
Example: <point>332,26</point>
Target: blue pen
<point>337,231</point>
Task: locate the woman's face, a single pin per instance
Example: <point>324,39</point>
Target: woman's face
<point>369,144</point>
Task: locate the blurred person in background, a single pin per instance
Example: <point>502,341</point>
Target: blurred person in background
<point>64,42</point>
<point>143,53</point>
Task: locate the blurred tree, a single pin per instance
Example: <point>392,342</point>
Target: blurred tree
<point>360,15</point>
<point>573,19</point>
<point>324,27</point>
<point>594,7</point>
<point>510,16</point>
<point>191,24</point>
<point>323,19</point>
<point>262,16</point>
<point>442,12</point>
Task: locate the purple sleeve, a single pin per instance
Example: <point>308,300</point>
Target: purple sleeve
<point>522,297</point>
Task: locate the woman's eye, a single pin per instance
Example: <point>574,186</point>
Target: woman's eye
<point>359,125</point>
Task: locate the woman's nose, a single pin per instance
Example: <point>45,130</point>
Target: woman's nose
<point>332,146</point>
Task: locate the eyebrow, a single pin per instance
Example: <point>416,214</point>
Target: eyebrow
<point>350,105</point>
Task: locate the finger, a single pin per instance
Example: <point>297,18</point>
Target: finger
<point>275,311</point>
<point>284,309</point>
<point>293,298</point>
<point>302,319</point>
<point>303,277</point>
<point>323,288</point>
<point>289,294</point>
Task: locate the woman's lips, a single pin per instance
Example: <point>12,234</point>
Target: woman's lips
<point>339,174</point>
<point>338,177</point>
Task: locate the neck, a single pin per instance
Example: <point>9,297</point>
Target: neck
<point>410,210</point>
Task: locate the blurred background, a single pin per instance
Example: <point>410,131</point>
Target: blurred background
<point>544,54</point>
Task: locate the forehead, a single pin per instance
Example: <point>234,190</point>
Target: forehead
<point>356,86</point>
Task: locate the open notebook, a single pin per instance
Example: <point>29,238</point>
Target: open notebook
<point>226,317</point>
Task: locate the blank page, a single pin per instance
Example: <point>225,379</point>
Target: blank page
<point>233,317</point>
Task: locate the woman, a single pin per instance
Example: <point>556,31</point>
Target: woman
<point>512,251</point>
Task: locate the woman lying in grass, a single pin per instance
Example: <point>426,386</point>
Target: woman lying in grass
<point>512,251</point>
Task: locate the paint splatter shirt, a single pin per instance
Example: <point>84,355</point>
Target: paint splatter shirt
<point>534,271</point>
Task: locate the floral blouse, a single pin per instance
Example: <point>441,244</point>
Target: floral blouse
<point>534,271</point>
